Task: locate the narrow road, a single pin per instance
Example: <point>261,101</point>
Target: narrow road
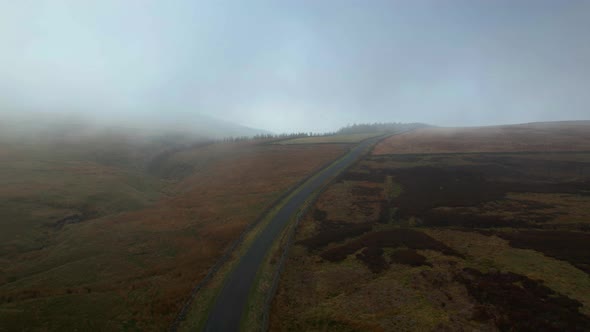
<point>230,303</point>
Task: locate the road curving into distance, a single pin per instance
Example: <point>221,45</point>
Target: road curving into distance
<point>230,304</point>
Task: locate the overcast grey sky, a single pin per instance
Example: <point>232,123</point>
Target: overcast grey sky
<point>300,65</point>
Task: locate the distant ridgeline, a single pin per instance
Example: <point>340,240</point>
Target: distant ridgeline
<point>275,136</point>
<point>362,128</point>
<point>378,127</point>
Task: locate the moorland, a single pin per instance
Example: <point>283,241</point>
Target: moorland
<point>111,230</point>
<point>449,229</point>
<point>435,229</point>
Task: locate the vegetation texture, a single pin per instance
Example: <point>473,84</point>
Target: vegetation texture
<point>111,232</point>
<point>456,241</point>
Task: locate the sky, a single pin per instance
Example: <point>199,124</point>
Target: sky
<point>299,65</point>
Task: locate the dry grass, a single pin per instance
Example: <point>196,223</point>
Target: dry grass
<point>341,201</point>
<point>557,136</point>
<point>487,253</point>
<point>350,271</point>
<point>317,295</point>
<point>132,264</point>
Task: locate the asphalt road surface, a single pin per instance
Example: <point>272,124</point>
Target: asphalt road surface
<point>231,302</point>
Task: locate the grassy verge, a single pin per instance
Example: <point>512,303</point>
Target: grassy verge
<point>201,306</point>
<point>256,316</point>
<point>197,316</point>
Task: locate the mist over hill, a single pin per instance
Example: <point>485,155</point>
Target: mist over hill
<point>64,127</point>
